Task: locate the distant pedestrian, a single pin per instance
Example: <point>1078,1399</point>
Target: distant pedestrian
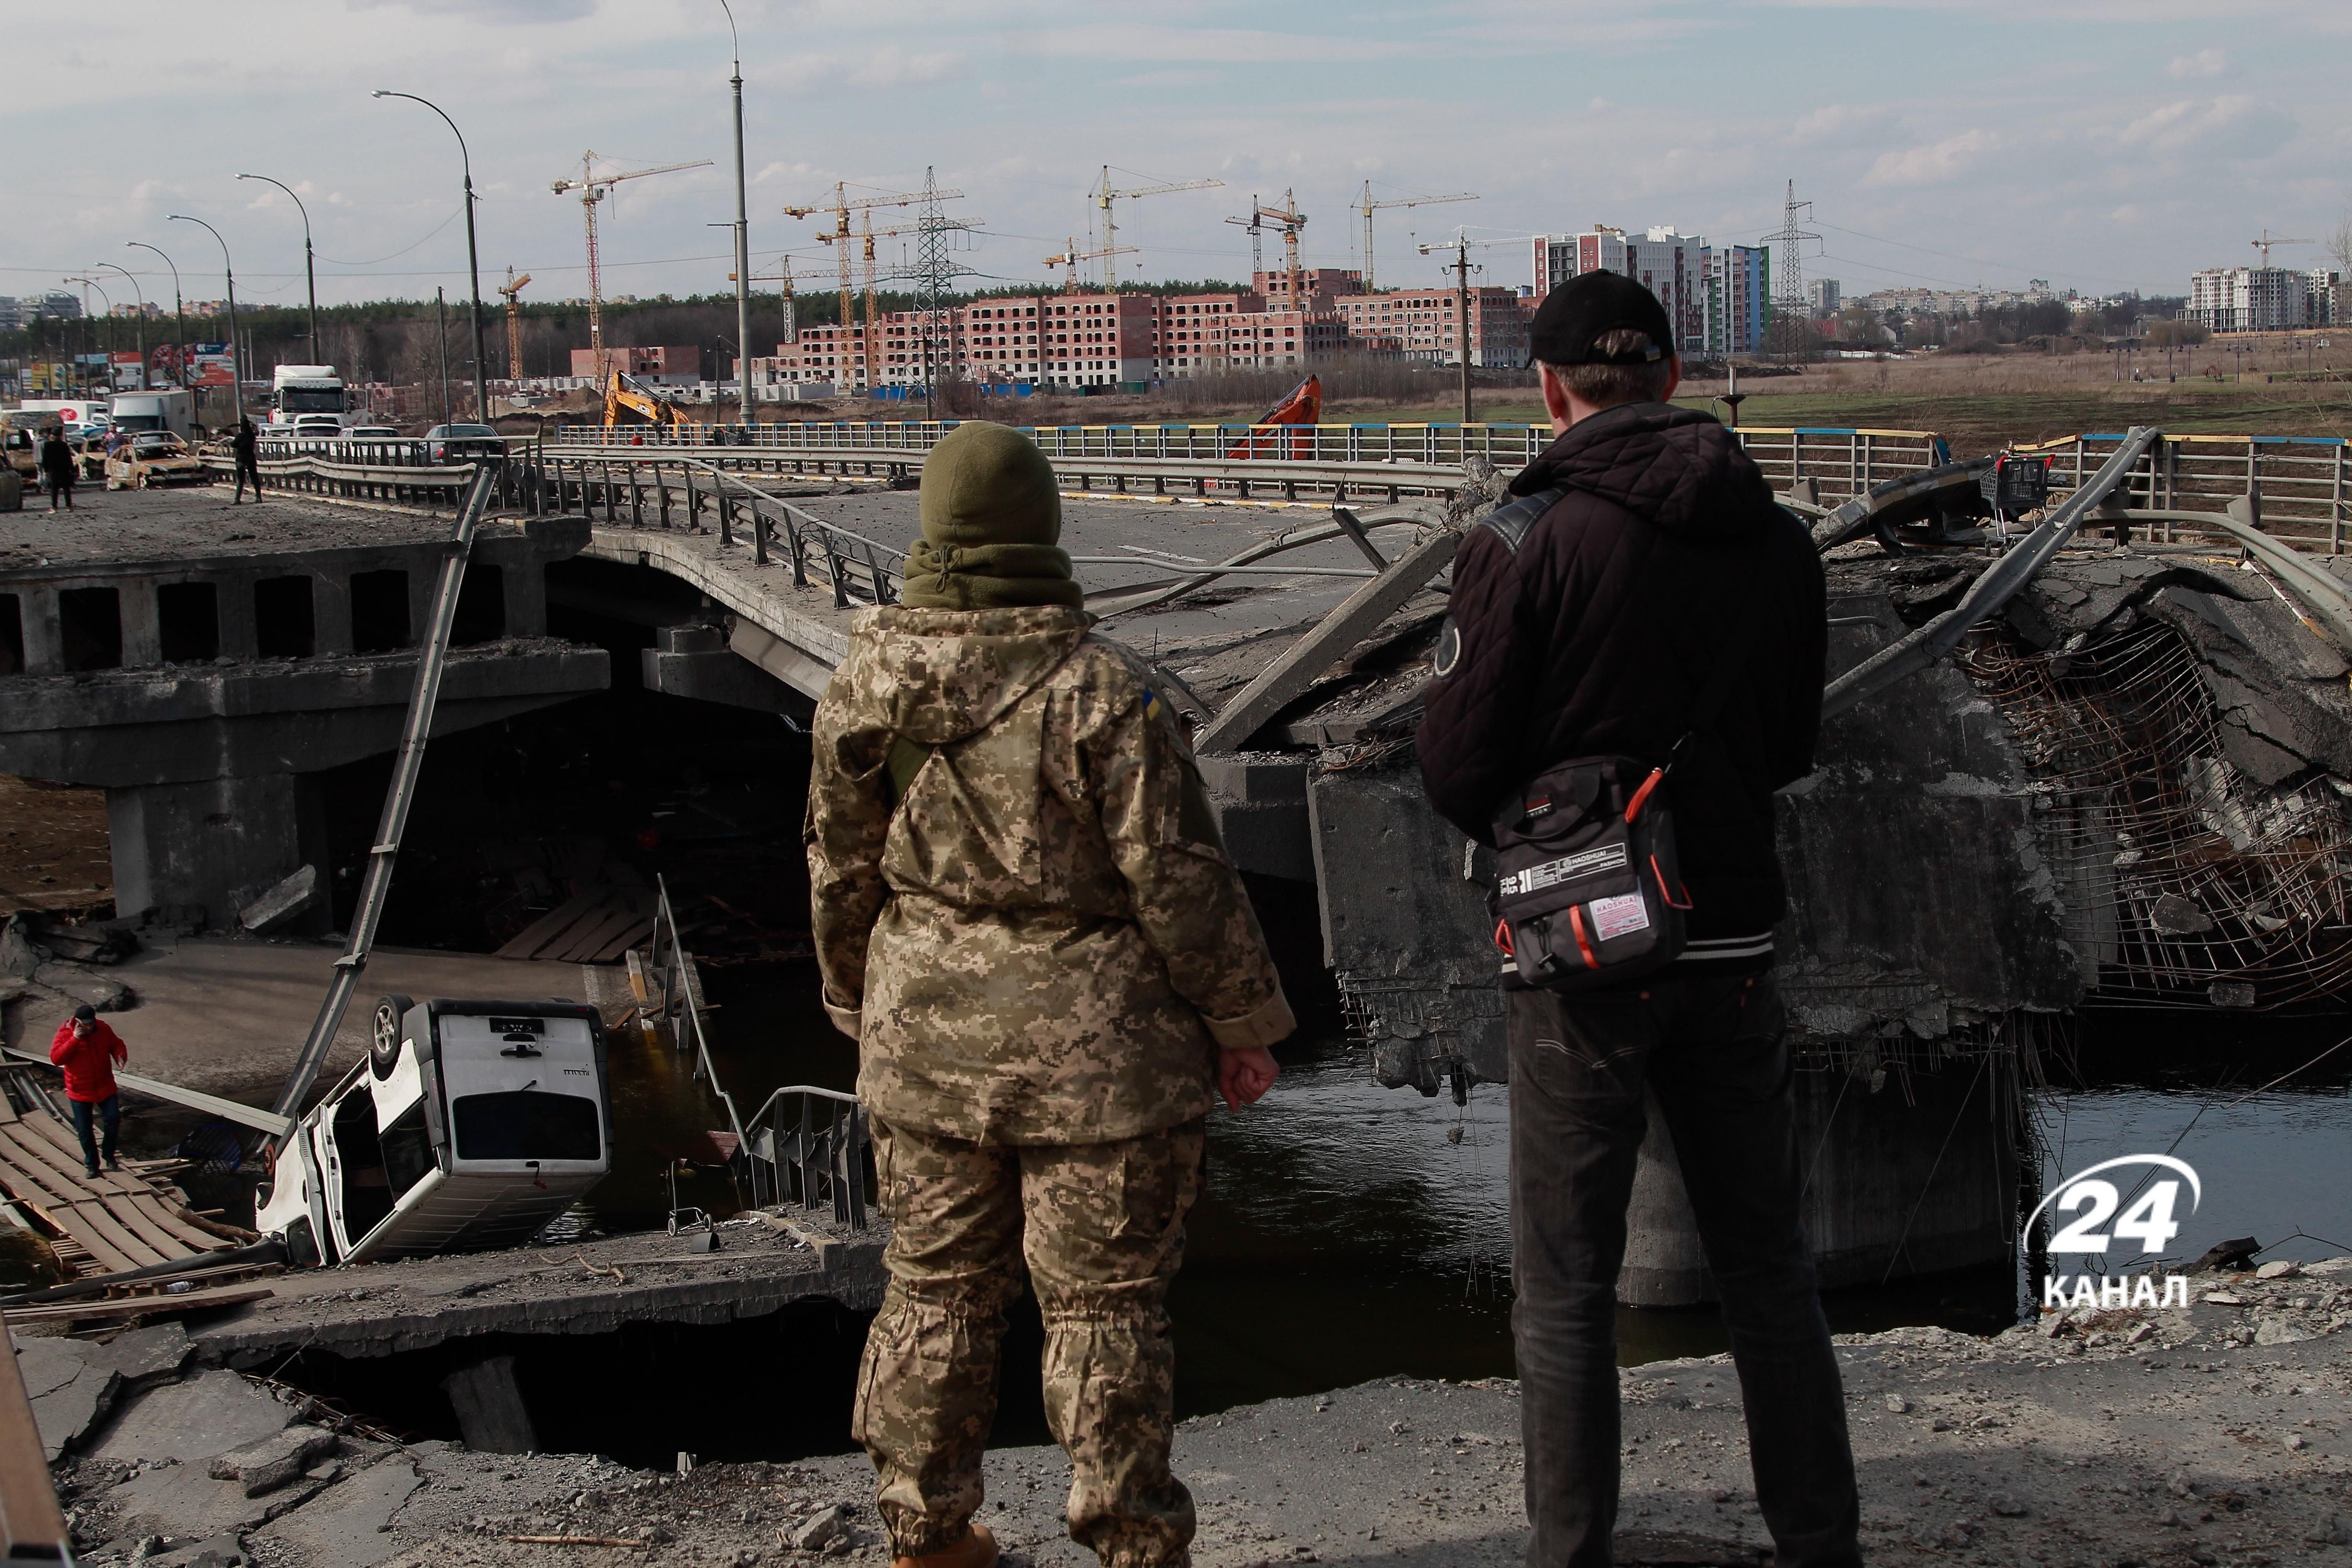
<point>58,466</point>
<point>89,1050</point>
<point>247,443</point>
<point>1645,611</point>
<point>1026,920</point>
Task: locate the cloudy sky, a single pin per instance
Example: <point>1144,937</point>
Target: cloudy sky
<point>2103,144</point>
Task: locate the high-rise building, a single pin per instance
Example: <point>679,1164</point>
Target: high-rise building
<point>2252,299</point>
<point>1670,263</point>
<point>1739,300</point>
<point>1822,293</point>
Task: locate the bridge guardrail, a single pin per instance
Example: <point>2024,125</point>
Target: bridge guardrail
<point>2301,485</point>
<point>1331,460</point>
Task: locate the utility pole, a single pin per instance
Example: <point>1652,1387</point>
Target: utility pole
<point>441,312</point>
<point>742,236</point>
<point>1461,270</point>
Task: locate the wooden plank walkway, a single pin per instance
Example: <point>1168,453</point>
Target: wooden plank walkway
<point>115,1220</point>
<point>597,927</point>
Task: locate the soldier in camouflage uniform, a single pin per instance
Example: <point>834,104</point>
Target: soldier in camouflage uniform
<point>1024,917</point>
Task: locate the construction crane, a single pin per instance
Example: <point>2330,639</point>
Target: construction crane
<point>1071,256</point>
<point>841,207</point>
<point>512,289</point>
<point>1104,198</point>
<point>2265,244</point>
<point>592,188</point>
<point>1290,220</point>
<point>790,306</point>
<point>868,234</point>
<point>1371,206</point>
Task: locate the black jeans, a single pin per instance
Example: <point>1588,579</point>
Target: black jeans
<point>245,473</point>
<point>108,1111</point>
<point>1712,1049</point>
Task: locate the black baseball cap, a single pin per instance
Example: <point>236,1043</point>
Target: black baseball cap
<point>1590,304</point>
<point>86,1013</point>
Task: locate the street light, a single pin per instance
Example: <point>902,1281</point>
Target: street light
<point>236,350</point>
<point>93,283</point>
<point>310,270</point>
<point>178,315</point>
<point>141,316</point>
<point>473,259</point>
<point>742,233</point>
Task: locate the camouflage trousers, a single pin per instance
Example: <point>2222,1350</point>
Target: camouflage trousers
<point>1101,1228</point>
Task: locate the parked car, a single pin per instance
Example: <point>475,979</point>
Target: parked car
<point>469,1126</point>
<point>154,457</point>
<point>457,443</point>
<point>371,433</point>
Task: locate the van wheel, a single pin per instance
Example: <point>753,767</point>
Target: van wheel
<point>384,1046</point>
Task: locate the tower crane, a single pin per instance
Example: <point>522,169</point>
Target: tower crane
<point>513,289</point>
<point>2265,244</point>
<point>1071,256</point>
<point>592,188</point>
<point>1371,206</point>
<point>841,207</point>
<point>1106,197</point>
<point>1290,220</point>
<point>869,234</point>
<point>784,261</point>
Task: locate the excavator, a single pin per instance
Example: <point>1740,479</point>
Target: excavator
<point>628,400</point>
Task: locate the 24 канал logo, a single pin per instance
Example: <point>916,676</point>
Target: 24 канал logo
<point>2107,1224</point>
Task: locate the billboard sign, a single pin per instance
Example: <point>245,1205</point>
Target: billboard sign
<point>211,364</point>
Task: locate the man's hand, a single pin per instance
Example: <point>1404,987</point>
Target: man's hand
<point>1244,1076</point>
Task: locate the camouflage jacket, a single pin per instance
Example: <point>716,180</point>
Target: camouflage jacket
<point>1028,922</point>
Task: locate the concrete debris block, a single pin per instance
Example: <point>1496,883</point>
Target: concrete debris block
<point>350,1526</point>
<point>70,1395</point>
<point>2176,916</point>
<point>2222,1299</point>
<point>2004,1505</point>
<point>2281,1269</point>
<point>282,902</point>
<point>266,1466</point>
<point>823,1528</point>
<point>144,1356</point>
<point>2228,1256</point>
<point>1899,1404</point>
<point>223,1551</point>
<point>2330,1529</point>
<point>490,1409</point>
<point>18,956</point>
<point>2282,1331</point>
<point>83,986</point>
<point>211,1413</point>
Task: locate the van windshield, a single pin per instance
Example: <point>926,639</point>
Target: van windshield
<point>524,1125</point>
<point>296,400</point>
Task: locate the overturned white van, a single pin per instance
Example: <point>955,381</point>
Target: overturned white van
<point>470,1126</point>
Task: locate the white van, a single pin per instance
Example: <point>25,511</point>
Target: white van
<point>170,409</point>
<point>469,1127</point>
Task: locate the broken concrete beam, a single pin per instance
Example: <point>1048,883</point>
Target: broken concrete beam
<point>298,891</point>
<point>1338,632</point>
<point>266,1466</point>
<point>18,955</point>
<point>490,1409</point>
<point>211,1413</point>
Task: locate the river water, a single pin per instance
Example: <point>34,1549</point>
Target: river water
<point>1351,1232</point>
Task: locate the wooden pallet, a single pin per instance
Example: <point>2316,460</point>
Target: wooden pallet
<point>597,927</point>
<point>106,1224</point>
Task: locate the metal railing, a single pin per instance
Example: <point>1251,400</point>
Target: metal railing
<point>815,1159</point>
<point>635,491</point>
<point>2297,484</point>
<point>1362,459</point>
<point>680,1001</point>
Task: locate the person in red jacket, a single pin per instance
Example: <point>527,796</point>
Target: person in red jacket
<point>88,1050</point>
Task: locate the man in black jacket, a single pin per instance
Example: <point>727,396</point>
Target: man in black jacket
<point>247,444</point>
<point>1664,557</point>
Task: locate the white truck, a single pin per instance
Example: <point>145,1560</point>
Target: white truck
<point>308,400</point>
<point>171,409</point>
<point>469,1126</point>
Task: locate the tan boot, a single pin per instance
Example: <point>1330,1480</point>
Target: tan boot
<point>976,1549</point>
